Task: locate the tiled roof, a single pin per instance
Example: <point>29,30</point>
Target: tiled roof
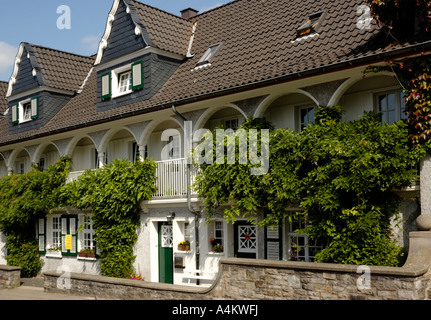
<point>62,70</point>
<point>3,102</point>
<point>166,31</point>
<point>257,47</point>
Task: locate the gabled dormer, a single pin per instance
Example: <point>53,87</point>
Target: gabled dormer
<point>42,82</point>
<point>141,48</point>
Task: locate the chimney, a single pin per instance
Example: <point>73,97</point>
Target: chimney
<point>188,13</point>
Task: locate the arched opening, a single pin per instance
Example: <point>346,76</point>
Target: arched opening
<point>84,155</point>
<point>294,111</point>
<point>380,93</point>
<point>165,142</point>
<point>48,157</point>
<point>3,167</point>
<point>22,162</point>
<point>122,145</point>
<point>229,118</point>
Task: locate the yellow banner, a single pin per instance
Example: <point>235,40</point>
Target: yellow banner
<point>68,242</point>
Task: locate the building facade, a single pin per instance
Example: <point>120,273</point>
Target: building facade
<point>152,72</point>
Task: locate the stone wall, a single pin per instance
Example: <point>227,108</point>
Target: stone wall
<point>264,279</point>
<point>10,277</point>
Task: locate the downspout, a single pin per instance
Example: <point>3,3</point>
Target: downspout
<point>189,202</point>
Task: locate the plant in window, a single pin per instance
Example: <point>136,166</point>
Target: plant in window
<point>51,247</point>
<point>184,245</point>
<point>218,248</point>
<point>87,253</point>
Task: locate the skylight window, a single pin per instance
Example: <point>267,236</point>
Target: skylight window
<point>311,25</point>
<point>208,55</point>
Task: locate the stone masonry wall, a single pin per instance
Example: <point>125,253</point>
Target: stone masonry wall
<point>263,279</point>
<point>10,277</point>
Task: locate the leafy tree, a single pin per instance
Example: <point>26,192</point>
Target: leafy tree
<point>24,199</point>
<point>341,175</point>
<point>114,194</point>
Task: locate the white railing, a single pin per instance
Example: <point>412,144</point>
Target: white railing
<point>171,178</point>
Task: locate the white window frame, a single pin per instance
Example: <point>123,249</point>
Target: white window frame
<point>21,111</point>
<point>399,104</point>
<point>291,235</point>
<point>299,117</point>
<point>88,241</point>
<point>115,81</point>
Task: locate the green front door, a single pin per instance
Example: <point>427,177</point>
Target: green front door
<point>166,267</point>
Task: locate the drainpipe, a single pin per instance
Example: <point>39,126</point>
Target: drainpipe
<point>189,203</point>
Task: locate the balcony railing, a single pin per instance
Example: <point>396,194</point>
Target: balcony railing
<point>171,178</point>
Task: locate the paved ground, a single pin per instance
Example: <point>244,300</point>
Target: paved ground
<point>32,289</point>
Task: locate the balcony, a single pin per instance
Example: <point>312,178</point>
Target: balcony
<point>171,181</point>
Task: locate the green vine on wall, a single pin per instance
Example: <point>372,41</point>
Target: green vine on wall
<point>341,175</point>
<point>414,75</point>
<point>23,200</point>
<point>114,194</point>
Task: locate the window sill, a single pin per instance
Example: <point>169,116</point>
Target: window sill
<point>87,259</point>
<point>117,95</point>
<point>54,255</point>
<point>24,121</point>
<point>185,252</point>
<point>212,253</point>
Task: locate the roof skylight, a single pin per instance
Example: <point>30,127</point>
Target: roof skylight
<point>310,25</point>
<point>208,55</point>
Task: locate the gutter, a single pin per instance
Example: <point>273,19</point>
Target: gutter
<point>189,205</point>
<point>346,64</point>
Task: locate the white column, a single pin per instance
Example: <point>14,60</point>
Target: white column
<point>424,220</point>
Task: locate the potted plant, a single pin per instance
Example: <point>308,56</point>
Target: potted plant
<point>218,248</point>
<point>87,253</point>
<point>184,245</point>
<point>53,250</point>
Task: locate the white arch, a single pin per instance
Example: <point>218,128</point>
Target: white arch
<point>260,110</point>
<point>211,111</point>
<point>14,155</point>
<point>341,90</point>
<point>40,149</point>
<point>108,136</point>
<point>72,144</point>
<point>145,136</point>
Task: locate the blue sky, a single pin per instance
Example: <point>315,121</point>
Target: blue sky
<point>36,22</point>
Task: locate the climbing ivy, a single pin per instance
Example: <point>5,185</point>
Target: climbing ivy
<point>114,194</point>
<point>414,75</point>
<point>341,175</point>
<point>24,199</point>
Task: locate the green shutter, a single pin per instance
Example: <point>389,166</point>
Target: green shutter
<point>106,86</point>
<point>69,225</point>
<point>41,235</point>
<point>14,112</point>
<point>34,108</point>
<point>137,75</point>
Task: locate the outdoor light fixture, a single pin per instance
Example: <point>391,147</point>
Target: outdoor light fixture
<point>171,216</point>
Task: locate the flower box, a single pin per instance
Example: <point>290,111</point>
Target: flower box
<point>86,254</point>
<point>183,247</point>
<point>53,253</point>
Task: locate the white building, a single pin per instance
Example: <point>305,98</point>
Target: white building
<point>271,59</point>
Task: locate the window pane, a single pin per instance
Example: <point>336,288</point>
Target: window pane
<point>125,83</point>
<point>391,116</point>
<point>382,104</point>
<point>391,101</point>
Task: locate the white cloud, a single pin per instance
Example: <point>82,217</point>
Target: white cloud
<point>7,57</point>
<point>91,43</point>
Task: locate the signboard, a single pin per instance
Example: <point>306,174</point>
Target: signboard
<point>68,242</point>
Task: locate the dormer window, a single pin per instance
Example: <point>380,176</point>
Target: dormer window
<point>125,82</point>
<point>311,25</point>
<point>122,80</point>
<point>25,111</point>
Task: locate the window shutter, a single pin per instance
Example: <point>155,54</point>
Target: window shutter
<point>34,108</point>
<point>63,234</point>
<point>106,86</point>
<point>72,230</point>
<point>41,230</point>
<point>69,226</point>
<point>15,114</point>
<point>137,75</point>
